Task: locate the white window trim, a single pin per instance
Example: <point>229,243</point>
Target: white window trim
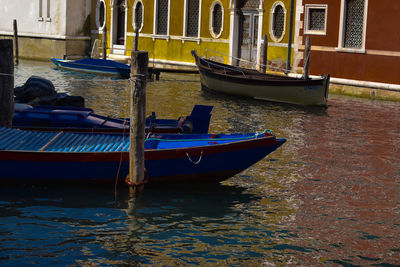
<point>271,22</point>
<point>342,26</point>
<point>212,19</point>
<point>100,27</point>
<point>307,20</point>
<point>155,35</point>
<point>40,15</point>
<point>185,17</point>
<point>134,15</point>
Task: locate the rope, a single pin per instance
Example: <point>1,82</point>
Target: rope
<point>197,162</point>
<point>250,62</point>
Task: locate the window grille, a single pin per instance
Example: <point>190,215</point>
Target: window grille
<point>278,21</point>
<point>102,12</point>
<point>316,19</point>
<point>138,15</point>
<point>217,19</point>
<point>192,18</point>
<point>162,17</point>
<point>354,23</point>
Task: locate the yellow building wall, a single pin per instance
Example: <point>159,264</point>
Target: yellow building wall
<point>174,48</point>
<point>276,53</point>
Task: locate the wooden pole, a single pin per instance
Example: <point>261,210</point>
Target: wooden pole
<point>264,54</point>
<point>136,40</point>
<point>16,41</point>
<point>307,50</point>
<point>105,42</point>
<point>139,62</point>
<point>6,83</point>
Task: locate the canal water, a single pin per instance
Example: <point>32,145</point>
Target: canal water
<point>330,196</point>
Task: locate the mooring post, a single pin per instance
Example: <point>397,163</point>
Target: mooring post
<point>136,40</point>
<point>264,54</point>
<point>105,42</point>
<point>6,83</point>
<point>16,41</point>
<point>307,50</point>
<point>139,62</point>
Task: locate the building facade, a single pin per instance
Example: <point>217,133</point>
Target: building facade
<point>356,41</point>
<point>222,29</point>
<point>48,28</point>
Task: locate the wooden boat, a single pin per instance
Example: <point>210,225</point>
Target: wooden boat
<point>35,157</point>
<point>233,80</point>
<point>94,66</point>
<point>49,118</point>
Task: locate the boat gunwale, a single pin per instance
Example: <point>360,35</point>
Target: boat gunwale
<point>17,155</point>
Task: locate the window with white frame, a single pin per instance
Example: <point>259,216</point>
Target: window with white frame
<point>277,21</point>
<point>138,14</point>
<point>216,19</point>
<point>353,24</point>
<point>315,19</point>
<point>192,18</point>
<point>100,14</point>
<point>162,16</point>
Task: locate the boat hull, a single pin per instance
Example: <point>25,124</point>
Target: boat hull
<point>249,83</point>
<point>36,156</point>
<point>199,164</point>
<point>94,66</point>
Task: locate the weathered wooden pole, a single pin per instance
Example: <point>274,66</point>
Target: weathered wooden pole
<point>136,40</point>
<point>307,50</point>
<point>6,83</point>
<point>105,42</point>
<point>139,62</point>
<point>264,54</point>
<point>16,42</point>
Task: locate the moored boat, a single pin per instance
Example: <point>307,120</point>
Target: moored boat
<point>49,118</point>
<point>233,80</point>
<point>94,66</point>
<point>55,157</point>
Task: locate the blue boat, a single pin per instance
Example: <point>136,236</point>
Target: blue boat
<point>94,66</point>
<point>49,118</point>
<point>57,157</point>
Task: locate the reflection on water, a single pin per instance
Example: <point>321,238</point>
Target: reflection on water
<point>330,195</point>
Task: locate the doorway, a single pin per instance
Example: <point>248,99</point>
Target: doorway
<point>118,41</point>
<point>248,38</point>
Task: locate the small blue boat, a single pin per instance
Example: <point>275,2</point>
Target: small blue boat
<point>56,157</point>
<point>49,118</point>
<point>94,66</point>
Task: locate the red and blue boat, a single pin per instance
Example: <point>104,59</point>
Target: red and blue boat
<point>96,66</point>
<point>56,157</point>
<point>49,118</point>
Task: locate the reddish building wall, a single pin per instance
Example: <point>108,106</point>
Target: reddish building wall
<point>381,60</point>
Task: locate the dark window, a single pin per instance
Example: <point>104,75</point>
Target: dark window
<point>138,15</point>
<point>192,18</point>
<point>102,12</point>
<point>278,22</point>
<point>316,18</point>
<point>162,17</point>
<point>217,19</point>
<point>354,24</point>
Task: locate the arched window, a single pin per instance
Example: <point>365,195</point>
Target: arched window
<point>138,14</point>
<point>100,14</point>
<point>277,22</point>
<point>216,19</point>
